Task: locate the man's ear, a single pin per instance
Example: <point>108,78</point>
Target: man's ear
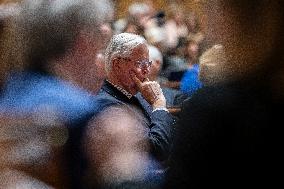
<point>159,63</point>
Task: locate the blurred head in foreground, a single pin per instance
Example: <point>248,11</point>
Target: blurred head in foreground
<point>251,35</point>
<point>62,38</point>
<point>47,41</point>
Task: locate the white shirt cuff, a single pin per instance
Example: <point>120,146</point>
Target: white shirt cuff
<point>164,109</point>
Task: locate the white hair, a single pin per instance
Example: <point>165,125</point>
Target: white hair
<point>122,45</point>
<point>155,54</point>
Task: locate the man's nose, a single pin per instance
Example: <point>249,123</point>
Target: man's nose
<point>146,70</point>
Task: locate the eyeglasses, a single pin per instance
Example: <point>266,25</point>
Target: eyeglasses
<point>144,64</point>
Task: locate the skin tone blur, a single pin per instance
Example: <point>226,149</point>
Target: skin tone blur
<point>247,42</point>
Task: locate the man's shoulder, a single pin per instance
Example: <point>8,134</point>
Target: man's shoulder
<point>104,96</point>
<point>103,100</point>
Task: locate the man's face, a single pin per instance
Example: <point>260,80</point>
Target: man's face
<point>137,63</point>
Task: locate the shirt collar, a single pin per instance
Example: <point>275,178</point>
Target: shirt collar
<point>129,95</point>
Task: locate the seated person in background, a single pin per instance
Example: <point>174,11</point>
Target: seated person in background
<point>173,97</point>
<point>174,66</point>
<point>190,82</point>
<point>127,66</point>
<point>211,63</point>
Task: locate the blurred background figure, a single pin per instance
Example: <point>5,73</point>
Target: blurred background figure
<point>136,18</point>
<point>211,63</point>
<point>173,97</point>
<point>190,79</point>
<point>229,135</point>
<point>175,26</point>
<point>7,12</point>
<point>155,32</point>
<point>54,52</point>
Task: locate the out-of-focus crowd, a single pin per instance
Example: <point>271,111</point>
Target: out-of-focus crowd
<point>222,81</point>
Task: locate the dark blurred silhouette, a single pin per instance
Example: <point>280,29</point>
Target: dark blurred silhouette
<point>229,133</point>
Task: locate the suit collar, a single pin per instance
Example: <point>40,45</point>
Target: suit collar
<point>113,91</point>
<point>136,100</point>
<point>126,93</point>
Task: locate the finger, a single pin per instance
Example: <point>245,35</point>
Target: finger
<point>136,80</point>
<point>146,80</point>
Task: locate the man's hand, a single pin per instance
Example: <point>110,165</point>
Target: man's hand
<point>151,91</point>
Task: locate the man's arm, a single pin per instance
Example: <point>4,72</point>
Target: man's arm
<point>160,134</point>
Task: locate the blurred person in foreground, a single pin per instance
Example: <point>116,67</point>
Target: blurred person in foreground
<point>54,47</point>
<point>7,12</point>
<point>127,66</point>
<point>229,135</point>
<point>190,82</point>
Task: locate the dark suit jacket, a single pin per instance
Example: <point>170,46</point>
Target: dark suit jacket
<point>159,122</point>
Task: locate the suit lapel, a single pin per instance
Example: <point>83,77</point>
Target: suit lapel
<point>136,100</point>
<point>145,106</point>
<point>111,90</point>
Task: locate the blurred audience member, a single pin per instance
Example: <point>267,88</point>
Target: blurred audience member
<point>7,12</point>
<point>211,63</point>
<point>175,26</point>
<point>229,132</point>
<point>174,67</point>
<point>155,31</point>
<point>193,24</point>
<point>127,65</point>
<point>190,81</point>
<point>55,48</point>
<point>138,16</point>
<point>173,97</point>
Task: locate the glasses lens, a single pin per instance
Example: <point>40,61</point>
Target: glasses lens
<point>144,64</point>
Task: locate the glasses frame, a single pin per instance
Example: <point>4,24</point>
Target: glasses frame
<point>144,64</point>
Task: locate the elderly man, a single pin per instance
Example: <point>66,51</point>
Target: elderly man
<point>127,66</point>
